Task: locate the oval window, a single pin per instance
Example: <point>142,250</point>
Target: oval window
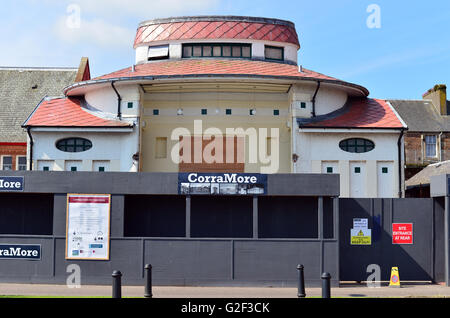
<point>74,144</point>
<point>356,145</point>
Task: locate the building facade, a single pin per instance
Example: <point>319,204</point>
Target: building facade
<point>21,88</point>
<point>427,140</point>
<point>221,94</point>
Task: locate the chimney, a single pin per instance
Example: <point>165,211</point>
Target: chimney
<point>438,96</point>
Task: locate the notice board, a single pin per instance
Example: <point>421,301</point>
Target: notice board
<point>88,226</point>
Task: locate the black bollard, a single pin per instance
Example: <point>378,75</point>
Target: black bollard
<point>117,284</point>
<point>148,281</point>
<point>326,288</point>
<point>301,282</point>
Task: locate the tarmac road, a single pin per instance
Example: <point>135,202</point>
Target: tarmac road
<point>347,290</point>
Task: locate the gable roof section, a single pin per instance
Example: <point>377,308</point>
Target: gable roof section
<point>18,98</point>
<point>67,112</point>
<point>421,116</point>
<point>365,113</point>
<point>424,176</point>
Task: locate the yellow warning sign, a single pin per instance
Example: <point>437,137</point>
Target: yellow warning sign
<point>395,278</point>
<point>361,237</point>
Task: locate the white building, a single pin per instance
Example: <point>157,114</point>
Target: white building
<point>196,77</point>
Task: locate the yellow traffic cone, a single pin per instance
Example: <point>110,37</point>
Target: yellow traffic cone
<point>395,278</point>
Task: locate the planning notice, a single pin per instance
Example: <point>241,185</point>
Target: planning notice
<point>88,222</point>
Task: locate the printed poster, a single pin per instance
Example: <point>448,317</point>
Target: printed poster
<point>360,234</point>
<point>88,226</point>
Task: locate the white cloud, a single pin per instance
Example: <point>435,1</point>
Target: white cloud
<point>96,32</point>
<point>142,9</point>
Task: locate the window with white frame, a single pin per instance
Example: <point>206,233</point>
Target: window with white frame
<point>7,163</point>
<point>21,162</point>
<point>430,146</point>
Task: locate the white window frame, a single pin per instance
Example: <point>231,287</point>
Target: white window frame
<point>17,162</point>
<point>430,144</point>
<point>3,156</point>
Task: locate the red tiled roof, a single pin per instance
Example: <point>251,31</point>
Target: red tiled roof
<point>212,30</point>
<point>67,112</point>
<point>215,67</point>
<point>362,113</point>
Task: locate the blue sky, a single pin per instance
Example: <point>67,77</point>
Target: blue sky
<point>403,58</point>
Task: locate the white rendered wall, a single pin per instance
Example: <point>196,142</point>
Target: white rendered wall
<point>175,48</point>
<point>105,99</point>
<point>328,99</point>
<point>116,147</point>
<point>318,147</point>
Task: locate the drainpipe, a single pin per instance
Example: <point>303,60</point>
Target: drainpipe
<point>399,145</point>
<point>119,101</point>
<point>313,113</point>
<point>440,146</point>
<point>30,165</point>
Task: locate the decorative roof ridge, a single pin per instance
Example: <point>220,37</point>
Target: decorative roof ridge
<point>214,18</point>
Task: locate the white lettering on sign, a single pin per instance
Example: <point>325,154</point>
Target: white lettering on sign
<point>9,185</point>
<point>226,178</point>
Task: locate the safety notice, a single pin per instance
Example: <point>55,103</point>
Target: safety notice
<point>402,233</point>
<point>360,234</point>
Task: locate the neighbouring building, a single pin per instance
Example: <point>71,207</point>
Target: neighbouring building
<point>221,94</point>
<point>21,88</point>
<point>427,140</point>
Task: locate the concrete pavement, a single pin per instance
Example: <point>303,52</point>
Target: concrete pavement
<point>347,290</point>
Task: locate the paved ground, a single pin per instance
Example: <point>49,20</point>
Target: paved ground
<point>416,290</point>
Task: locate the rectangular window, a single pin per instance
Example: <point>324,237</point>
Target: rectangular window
<point>130,104</point>
<point>7,163</point>
<point>161,148</point>
<point>73,165</point>
<point>155,112</point>
<point>100,165</point>
<point>160,52</point>
<point>217,51</point>
<point>430,146</point>
<point>235,50</point>
<point>302,105</point>
<point>204,111</point>
<point>45,165</point>
<point>384,170</point>
<point>329,169</point>
<point>274,53</point>
<point>21,163</point>
<point>357,170</point>
<point>276,112</point>
<point>228,111</point>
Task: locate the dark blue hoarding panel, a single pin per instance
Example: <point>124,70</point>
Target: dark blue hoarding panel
<point>10,184</point>
<point>15,251</point>
<point>222,183</point>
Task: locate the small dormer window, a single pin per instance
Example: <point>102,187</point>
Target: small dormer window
<point>274,53</point>
<point>160,52</point>
<point>233,50</point>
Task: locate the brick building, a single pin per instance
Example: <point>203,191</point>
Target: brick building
<point>427,140</point>
<point>21,89</point>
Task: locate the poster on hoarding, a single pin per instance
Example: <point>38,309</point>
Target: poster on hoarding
<point>88,226</point>
<point>360,234</point>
